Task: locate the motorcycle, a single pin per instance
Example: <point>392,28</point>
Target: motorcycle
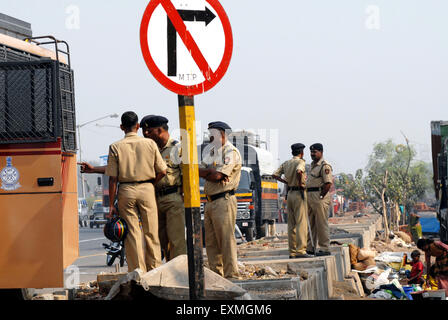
<point>115,250</point>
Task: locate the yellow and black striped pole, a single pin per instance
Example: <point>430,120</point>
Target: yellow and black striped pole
<point>192,199</point>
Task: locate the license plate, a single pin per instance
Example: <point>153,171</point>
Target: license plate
<point>245,224</point>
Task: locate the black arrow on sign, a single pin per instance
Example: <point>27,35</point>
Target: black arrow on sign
<point>187,15</point>
<point>193,15</point>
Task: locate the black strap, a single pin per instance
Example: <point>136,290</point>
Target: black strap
<point>312,189</point>
<point>221,195</point>
<point>294,189</point>
<point>167,191</point>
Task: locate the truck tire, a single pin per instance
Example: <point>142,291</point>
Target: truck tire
<point>261,231</point>
<point>250,234</point>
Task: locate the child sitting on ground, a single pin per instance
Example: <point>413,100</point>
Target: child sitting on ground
<point>415,275</point>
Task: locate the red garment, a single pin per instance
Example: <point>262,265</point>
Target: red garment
<point>417,269</point>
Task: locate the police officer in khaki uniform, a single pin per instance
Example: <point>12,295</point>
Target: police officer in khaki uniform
<point>170,203</point>
<point>295,180</point>
<point>318,184</point>
<point>136,164</point>
<point>221,168</point>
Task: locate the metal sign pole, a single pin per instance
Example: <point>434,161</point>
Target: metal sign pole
<point>192,200</point>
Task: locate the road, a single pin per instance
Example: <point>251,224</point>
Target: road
<point>92,255</point>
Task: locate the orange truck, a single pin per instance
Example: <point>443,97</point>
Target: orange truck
<point>38,172</point>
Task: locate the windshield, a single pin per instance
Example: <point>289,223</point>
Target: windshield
<point>244,181</point>
<point>97,205</point>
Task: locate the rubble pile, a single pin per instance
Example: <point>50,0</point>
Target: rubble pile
<point>89,291</point>
<point>256,272</point>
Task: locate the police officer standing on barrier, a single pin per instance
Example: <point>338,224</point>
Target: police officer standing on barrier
<point>318,186</point>
<point>295,180</point>
<point>221,168</point>
<point>170,203</point>
<point>136,164</point>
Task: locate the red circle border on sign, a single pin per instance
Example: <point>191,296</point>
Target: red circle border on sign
<point>162,78</point>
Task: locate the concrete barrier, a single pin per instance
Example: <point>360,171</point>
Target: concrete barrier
<point>322,271</point>
<point>311,265</point>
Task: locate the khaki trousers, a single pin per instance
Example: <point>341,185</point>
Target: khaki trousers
<point>297,223</point>
<point>136,200</point>
<point>171,212</point>
<point>318,217</point>
<point>220,242</point>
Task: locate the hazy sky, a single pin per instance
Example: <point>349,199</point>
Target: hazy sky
<point>345,73</point>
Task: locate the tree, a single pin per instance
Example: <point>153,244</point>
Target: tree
<point>392,178</point>
<point>350,186</point>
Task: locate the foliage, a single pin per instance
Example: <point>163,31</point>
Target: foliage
<point>391,168</point>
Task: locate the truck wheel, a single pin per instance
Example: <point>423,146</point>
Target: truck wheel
<point>261,231</point>
<point>250,234</point>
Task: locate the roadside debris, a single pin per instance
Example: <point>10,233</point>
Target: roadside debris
<point>361,259</point>
<point>170,281</point>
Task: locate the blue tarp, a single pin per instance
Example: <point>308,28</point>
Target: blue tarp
<point>430,225</point>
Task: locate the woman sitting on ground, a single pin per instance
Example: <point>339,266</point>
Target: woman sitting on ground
<point>439,250</point>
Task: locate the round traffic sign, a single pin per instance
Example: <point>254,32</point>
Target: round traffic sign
<point>187,44</point>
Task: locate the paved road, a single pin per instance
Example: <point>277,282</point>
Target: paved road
<point>92,255</point>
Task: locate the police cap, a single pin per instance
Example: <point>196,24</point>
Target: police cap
<point>317,146</point>
<point>297,147</point>
<point>153,121</point>
<point>219,125</point>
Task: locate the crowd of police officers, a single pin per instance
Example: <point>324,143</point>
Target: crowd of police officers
<point>145,177</point>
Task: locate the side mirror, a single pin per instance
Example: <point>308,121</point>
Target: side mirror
<point>99,181</point>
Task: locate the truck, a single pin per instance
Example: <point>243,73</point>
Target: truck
<point>38,171</point>
<point>258,192</point>
<point>439,146</point>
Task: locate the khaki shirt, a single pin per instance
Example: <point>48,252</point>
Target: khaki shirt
<point>171,155</point>
<point>320,173</point>
<point>134,159</point>
<point>226,160</point>
<point>290,169</point>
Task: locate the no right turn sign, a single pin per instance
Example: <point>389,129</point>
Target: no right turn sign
<point>187,44</point>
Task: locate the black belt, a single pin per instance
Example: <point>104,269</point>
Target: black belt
<point>295,189</point>
<point>313,189</point>
<point>220,195</point>
<point>167,191</point>
<point>139,182</point>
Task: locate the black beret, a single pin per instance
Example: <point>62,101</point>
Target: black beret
<point>145,119</point>
<point>219,125</point>
<point>297,146</point>
<point>153,121</point>
<point>317,146</point>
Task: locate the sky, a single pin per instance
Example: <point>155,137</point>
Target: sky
<point>347,73</point>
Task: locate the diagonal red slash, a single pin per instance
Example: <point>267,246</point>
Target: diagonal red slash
<point>187,38</point>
